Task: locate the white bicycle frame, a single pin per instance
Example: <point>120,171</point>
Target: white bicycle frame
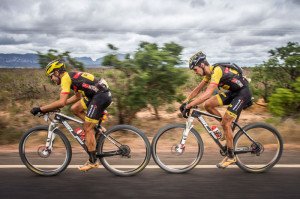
<point>53,126</point>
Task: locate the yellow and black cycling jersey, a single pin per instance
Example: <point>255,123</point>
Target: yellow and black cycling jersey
<point>84,83</point>
<point>226,78</point>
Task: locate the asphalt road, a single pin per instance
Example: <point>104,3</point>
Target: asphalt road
<point>152,183</point>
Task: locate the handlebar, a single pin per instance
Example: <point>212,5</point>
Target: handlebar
<point>48,113</point>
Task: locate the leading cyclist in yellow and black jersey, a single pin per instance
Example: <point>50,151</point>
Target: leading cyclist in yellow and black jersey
<point>91,97</point>
<point>237,96</point>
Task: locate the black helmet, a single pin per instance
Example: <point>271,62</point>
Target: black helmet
<point>196,59</point>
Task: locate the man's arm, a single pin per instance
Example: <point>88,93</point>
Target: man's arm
<point>74,98</point>
<point>56,104</point>
<point>196,91</point>
<point>203,97</point>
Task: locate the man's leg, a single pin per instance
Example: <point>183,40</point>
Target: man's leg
<point>226,124</point>
<point>89,135</point>
<point>90,142</point>
<point>78,109</point>
<point>211,104</point>
<point>95,108</point>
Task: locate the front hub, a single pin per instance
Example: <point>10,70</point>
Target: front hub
<point>44,152</point>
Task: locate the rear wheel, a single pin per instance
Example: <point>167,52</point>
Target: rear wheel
<point>40,159</point>
<point>125,150</point>
<point>262,154</point>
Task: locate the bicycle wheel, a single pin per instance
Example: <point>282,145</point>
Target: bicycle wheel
<point>125,150</point>
<point>165,142</point>
<point>38,158</point>
<point>261,156</point>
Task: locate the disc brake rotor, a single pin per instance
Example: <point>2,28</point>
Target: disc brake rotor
<point>177,149</point>
<point>44,152</point>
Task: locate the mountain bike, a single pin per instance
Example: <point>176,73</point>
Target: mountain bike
<point>178,148</point>
<point>45,150</point>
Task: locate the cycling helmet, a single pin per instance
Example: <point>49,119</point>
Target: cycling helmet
<point>196,59</point>
<point>53,65</point>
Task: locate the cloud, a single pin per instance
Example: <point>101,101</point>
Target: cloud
<point>237,30</point>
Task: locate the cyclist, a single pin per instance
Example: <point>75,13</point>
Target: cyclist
<point>90,95</point>
<point>237,96</point>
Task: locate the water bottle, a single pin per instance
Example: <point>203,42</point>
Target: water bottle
<point>216,131</point>
<point>81,133</point>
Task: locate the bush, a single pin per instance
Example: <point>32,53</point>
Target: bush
<point>286,102</point>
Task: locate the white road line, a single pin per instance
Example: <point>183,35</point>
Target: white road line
<point>148,167</point>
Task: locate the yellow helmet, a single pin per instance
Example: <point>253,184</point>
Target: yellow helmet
<point>55,64</point>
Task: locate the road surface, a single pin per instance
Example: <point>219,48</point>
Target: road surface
<point>281,182</point>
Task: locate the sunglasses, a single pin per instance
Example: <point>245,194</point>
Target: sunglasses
<point>50,75</point>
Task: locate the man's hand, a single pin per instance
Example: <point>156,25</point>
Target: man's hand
<point>182,107</point>
<point>184,111</point>
<point>35,110</point>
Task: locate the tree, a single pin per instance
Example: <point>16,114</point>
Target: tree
<point>279,71</point>
<point>289,59</point>
<point>52,54</point>
<point>148,78</point>
<point>263,76</point>
<point>286,102</point>
<point>163,78</point>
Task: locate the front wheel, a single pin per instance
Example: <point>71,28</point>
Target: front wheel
<point>170,155</point>
<point>39,158</point>
<point>124,150</point>
<point>262,154</point>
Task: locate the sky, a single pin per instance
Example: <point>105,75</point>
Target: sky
<point>225,30</point>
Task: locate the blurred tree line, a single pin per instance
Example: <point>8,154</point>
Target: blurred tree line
<point>277,80</point>
<point>146,77</point>
<point>149,77</point>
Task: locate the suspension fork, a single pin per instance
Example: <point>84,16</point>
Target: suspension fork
<point>51,136</point>
<point>186,131</point>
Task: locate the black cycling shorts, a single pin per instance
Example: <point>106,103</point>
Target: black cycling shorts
<point>236,100</point>
<point>96,106</point>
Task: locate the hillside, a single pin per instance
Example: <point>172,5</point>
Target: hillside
<point>30,60</point>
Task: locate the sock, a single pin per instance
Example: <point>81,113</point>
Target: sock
<point>230,153</point>
<point>92,155</point>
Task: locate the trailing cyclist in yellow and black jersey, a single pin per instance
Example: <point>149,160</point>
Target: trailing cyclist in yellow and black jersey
<point>226,78</point>
<point>238,94</point>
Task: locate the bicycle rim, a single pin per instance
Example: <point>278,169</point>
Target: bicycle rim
<point>265,154</point>
<point>136,151</point>
<point>40,159</point>
<point>165,155</point>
